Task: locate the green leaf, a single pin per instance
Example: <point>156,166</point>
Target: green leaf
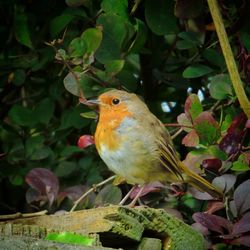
<point>119,8</point>
<point>117,34</point>
<point>240,166</point>
<point>70,150</point>
<point>183,44</point>
<point>114,67</point>
<point>59,23</point>
<point>22,116</point>
<point>197,70</point>
<point>75,3</point>
<point>245,38</point>
<point>210,54</point>
<point>110,194</point>
<point>207,128</point>
<point>65,168</point>
<point>33,144</point>
<point>16,180</point>
<point>35,148</point>
<point>140,38</point>
<point>77,47</point>
<point>22,32</point>
<point>217,152</point>
<point>128,80</point>
<point>193,106</point>
<point>160,16</point>
<point>70,238</point>
<point>43,153</point>
<point>92,38</point>
<point>190,37</point>
<point>220,86</point>
<point>44,110</point>
<point>71,118</point>
<point>80,84</point>
<point>89,115</point>
<point>19,77</point>
<point>226,123</point>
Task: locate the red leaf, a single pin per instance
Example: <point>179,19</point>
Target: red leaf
<point>242,197</point>
<point>213,222</point>
<point>214,206</point>
<point>191,139</point>
<point>247,124</point>
<point>243,225</point>
<point>231,140</point>
<point>44,182</point>
<point>85,141</point>
<point>212,164</point>
<point>243,240</point>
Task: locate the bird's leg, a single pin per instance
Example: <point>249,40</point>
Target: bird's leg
<point>126,196</point>
<point>132,204</point>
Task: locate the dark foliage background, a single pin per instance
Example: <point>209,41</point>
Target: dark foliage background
<point>53,52</point>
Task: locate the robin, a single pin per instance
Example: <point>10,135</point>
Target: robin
<point>136,146</point>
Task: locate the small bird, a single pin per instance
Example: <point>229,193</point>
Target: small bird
<point>136,146</point>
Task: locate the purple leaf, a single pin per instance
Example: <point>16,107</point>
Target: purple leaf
<point>231,140</point>
<point>198,227</point>
<point>213,222</point>
<point>224,182</point>
<point>73,193</point>
<point>243,225</point>
<point>149,188</point>
<point>44,182</point>
<point>242,197</point>
<point>33,196</point>
<point>243,240</point>
<point>199,195</point>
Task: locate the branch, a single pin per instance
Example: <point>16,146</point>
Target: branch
<point>91,190</point>
<point>229,58</point>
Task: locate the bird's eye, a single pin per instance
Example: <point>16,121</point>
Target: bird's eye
<point>115,101</point>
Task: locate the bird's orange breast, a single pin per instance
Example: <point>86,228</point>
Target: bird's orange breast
<point>106,131</point>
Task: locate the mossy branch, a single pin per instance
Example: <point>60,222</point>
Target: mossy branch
<point>229,58</point>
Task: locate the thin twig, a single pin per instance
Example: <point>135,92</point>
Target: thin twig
<point>229,57</point>
<point>177,125</point>
<point>91,190</point>
<point>20,215</point>
<point>176,133</point>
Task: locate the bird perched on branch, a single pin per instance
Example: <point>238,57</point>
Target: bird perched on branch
<point>135,145</point>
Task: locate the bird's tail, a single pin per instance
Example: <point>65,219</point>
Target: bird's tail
<point>200,183</point>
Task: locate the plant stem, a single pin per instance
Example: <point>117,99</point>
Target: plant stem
<point>91,190</point>
<point>229,58</point>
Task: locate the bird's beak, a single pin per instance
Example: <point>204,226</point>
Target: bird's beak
<point>93,102</point>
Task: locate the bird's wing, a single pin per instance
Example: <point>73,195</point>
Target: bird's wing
<point>169,158</point>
